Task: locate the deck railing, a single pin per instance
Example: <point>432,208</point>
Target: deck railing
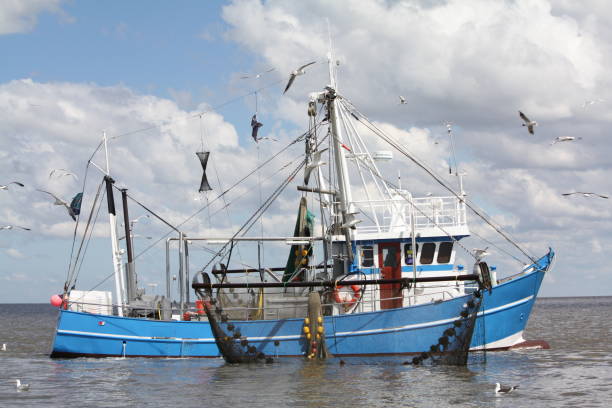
<point>393,215</point>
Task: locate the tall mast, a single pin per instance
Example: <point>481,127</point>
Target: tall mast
<point>117,263</point>
<point>344,188</point>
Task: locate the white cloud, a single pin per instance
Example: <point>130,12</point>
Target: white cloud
<point>18,16</point>
<point>475,63</point>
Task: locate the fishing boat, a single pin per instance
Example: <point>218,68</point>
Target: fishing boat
<point>371,269</point>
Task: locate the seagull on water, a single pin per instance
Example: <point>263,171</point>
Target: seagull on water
<point>59,201</point>
<point>504,389</point>
<point>257,75</point>
<point>586,194</point>
<point>528,122</point>
<point>3,347</point>
<point>564,139</point>
<point>20,386</point>
<point>402,100</point>
<point>10,227</point>
<point>300,71</point>
<point>57,173</point>
<point>480,253</point>
<point>5,186</point>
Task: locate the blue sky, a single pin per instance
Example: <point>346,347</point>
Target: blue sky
<point>74,68</point>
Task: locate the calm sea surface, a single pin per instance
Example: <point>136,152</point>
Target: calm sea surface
<point>576,372</point>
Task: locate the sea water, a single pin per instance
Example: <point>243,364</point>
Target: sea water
<point>575,372</point>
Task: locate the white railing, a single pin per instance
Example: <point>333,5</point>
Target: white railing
<point>395,215</point>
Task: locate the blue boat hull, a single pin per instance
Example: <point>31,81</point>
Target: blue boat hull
<point>500,323</point>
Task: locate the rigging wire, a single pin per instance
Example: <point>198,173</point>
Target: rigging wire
<point>479,212</point>
<point>76,226</point>
<point>71,277</point>
<point>89,237</point>
<point>249,174</point>
<point>259,212</point>
<point>214,108</point>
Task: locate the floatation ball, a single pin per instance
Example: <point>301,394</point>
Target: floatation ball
<point>56,300</point>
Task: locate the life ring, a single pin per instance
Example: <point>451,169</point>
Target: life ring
<point>343,299</point>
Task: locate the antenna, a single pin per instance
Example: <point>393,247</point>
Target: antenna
<point>330,59</point>
<point>449,129</point>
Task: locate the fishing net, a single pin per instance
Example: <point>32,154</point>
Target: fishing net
<point>453,345</point>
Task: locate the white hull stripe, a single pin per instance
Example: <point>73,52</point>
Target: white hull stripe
<point>294,337</point>
<point>434,323</point>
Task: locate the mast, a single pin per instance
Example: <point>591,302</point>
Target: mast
<point>131,273</point>
<point>117,264</point>
<point>344,188</point>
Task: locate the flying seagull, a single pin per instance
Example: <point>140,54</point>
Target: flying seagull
<point>313,162</point>
<point>585,194</point>
<point>72,210</point>
<point>528,122</point>
<point>504,389</point>
<point>5,187</point>
<point>255,125</point>
<point>61,173</point>
<point>564,139</point>
<point>299,71</point>
<point>402,100</point>
<point>21,387</point>
<point>257,75</point>
<point>10,227</point>
<point>480,253</point>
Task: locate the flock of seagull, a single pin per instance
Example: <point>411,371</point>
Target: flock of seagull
<point>531,124</point>
<point>55,173</point>
<point>19,386</point>
<point>255,125</point>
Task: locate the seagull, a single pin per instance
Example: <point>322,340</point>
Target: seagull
<point>5,187</point>
<point>61,173</point>
<point>59,201</point>
<point>10,227</point>
<point>314,162</point>
<point>299,71</point>
<point>586,194</point>
<point>504,389</point>
<point>21,387</point>
<point>480,253</point>
<point>564,139</point>
<point>255,125</point>
<point>402,100</point>
<point>528,122</point>
<point>256,76</point>
<point>3,347</point>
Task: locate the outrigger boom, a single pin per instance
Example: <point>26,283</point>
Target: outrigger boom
<point>333,283</point>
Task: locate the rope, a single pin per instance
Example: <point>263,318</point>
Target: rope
<point>249,174</point>
<point>479,212</point>
<point>71,277</point>
<point>211,109</point>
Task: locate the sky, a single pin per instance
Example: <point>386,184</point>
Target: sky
<point>164,80</point>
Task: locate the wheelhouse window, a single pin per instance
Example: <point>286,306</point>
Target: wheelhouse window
<point>427,253</point>
<point>444,252</point>
<point>409,255</point>
<point>367,256</point>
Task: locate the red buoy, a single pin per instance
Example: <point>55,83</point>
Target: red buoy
<point>56,300</point>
